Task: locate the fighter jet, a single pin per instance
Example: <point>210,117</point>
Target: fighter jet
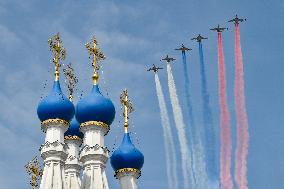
<point>168,59</point>
<point>236,20</point>
<point>154,69</point>
<point>218,29</point>
<point>183,48</point>
<point>199,38</point>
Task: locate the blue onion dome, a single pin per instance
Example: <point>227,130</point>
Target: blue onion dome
<point>127,156</point>
<point>95,107</point>
<point>56,105</point>
<point>74,130</point>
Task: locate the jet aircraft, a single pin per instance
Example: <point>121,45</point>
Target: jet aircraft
<point>168,59</point>
<point>154,69</point>
<point>199,38</point>
<point>183,48</point>
<point>218,29</point>
<point>236,20</point>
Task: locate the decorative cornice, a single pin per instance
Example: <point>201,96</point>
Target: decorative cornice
<point>126,171</point>
<point>95,147</point>
<point>55,156</point>
<point>70,137</point>
<point>91,153</point>
<point>72,168</point>
<point>98,124</point>
<point>54,144</point>
<point>94,159</point>
<point>71,158</point>
<point>57,121</point>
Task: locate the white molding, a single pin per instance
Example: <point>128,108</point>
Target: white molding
<point>54,154</point>
<point>73,165</point>
<point>128,180</point>
<point>94,157</point>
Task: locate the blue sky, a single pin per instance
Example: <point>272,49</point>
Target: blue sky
<point>134,35</point>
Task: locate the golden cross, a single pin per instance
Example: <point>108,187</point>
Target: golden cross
<point>34,170</point>
<point>128,108</point>
<point>97,56</point>
<point>55,45</point>
<point>71,79</point>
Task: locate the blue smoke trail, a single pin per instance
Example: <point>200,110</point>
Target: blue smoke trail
<point>195,133</point>
<point>191,120</point>
<point>190,115</point>
<point>210,138</point>
<point>188,98</point>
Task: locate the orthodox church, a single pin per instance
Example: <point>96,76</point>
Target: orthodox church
<point>74,154</point>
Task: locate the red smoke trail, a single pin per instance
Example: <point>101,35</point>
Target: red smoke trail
<point>241,115</point>
<point>225,135</point>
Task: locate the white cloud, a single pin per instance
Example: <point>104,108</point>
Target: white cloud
<point>8,38</point>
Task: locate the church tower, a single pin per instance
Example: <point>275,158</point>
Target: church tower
<point>73,139</point>
<point>95,113</point>
<point>55,111</point>
<point>127,160</point>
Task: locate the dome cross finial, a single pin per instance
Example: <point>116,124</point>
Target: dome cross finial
<point>71,79</point>
<point>97,56</point>
<point>128,108</point>
<point>55,45</point>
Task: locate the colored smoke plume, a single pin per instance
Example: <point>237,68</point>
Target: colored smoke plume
<point>195,141</point>
<point>241,116</point>
<point>168,138</point>
<point>178,118</point>
<point>210,138</point>
<point>225,130</point>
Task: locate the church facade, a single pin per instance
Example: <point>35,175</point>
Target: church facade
<point>74,153</point>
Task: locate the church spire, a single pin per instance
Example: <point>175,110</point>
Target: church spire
<point>97,55</point>
<point>71,79</point>
<point>55,111</point>
<point>127,160</point>
<point>55,45</point>
<point>72,137</point>
<point>128,108</point>
<point>95,113</point>
<point>35,171</point>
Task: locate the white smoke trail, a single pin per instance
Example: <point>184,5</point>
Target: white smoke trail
<point>168,138</point>
<point>213,184</point>
<point>178,117</point>
<point>199,164</point>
